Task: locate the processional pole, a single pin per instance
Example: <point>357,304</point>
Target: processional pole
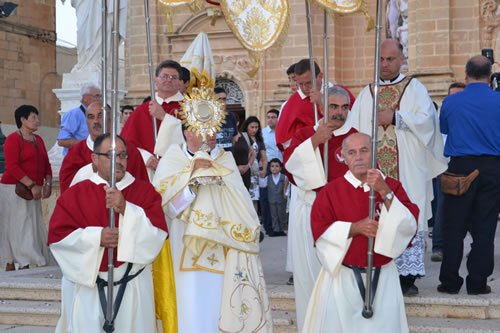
<point>104,62</point>
<point>326,115</point>
<point>150,63</point>
<point>367,308</point>
<point>311,55</point>
<point>115,39</point>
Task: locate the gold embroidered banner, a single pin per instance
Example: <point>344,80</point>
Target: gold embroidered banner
<point>258,24</point>
<point>340,6</point>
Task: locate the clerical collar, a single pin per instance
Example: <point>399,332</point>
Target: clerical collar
<point>214,153</point>
<point>355,182</point>
<point>90,143</point>
<point>126,181</point>
<point>392,81</point>
<point>178,97</point>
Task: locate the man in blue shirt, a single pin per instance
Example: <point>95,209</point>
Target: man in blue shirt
<point>471,119</point>
<point>74,124</point>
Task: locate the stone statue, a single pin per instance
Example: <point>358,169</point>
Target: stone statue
<point>89,32</point>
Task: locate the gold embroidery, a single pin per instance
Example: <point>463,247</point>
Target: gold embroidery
<point>213,260</point>
<point>211,222</point>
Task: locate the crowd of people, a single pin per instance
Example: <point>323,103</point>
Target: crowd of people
<point>198,216</point>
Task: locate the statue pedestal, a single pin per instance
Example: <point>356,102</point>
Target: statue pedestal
<point>69,95</point>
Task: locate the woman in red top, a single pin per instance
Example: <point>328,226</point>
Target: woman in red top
<point>23,234</point>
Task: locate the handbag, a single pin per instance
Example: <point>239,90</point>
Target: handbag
<point>455,184</point>
<point>22,190</point>
<point>254,168</point>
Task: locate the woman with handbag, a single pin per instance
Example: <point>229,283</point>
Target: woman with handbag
<point>252,133</point>
<point>27,179</point>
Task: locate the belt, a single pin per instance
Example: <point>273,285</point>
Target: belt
<point>101,284</point>
<point>359,280</point>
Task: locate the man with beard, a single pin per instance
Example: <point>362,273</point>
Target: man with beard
<point>304,164</point>
<point>77,165</point>
<point>79,233</point>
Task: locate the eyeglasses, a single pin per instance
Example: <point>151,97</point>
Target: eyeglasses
<point>123,155</point>
<point>96,96</point>
<point>166,77</point>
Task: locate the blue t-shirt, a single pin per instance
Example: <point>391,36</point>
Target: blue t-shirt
<point>74,125</point>
<point>471,118</point>
<point>225,135</point>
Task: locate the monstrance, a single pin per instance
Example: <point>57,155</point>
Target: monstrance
<point>203,114</point>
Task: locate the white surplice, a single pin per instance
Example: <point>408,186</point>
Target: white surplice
<point>336,304</point>
<point>80,308</point>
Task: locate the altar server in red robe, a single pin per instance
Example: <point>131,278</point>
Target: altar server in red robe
<point>341,227</point>
<point>79,234</point>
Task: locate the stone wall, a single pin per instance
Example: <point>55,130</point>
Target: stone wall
<point>28,61</point>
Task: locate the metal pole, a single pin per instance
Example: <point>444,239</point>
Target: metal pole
<point>115,39</point>
<point>150,63</point>
<point>104,63</point>
<point>311,55</point>
<point>367,308</point>
<point>326,114</point>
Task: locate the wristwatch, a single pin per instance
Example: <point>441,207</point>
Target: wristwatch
<point>32,185</point>
<point>389,196</point>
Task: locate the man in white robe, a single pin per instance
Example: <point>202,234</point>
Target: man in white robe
<point>410,147</point>
<point>341,227</point>
<point>214,240</point>
<point>304,163</point>
<point>79,234</point>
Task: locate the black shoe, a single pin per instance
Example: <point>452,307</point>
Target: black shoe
<point>483,291</point>
<point>411,291</point>
<point>261,237</point>
<point>280,233</point>
<point>272,234</point>
<point>290,281</point>
<point>443,289</point>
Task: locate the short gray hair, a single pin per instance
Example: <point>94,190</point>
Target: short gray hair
<point>338,91</point>
<point>85,90</point>
<point>344,142</point>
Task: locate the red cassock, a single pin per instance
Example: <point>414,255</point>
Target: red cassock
<point>79,155</point>
<point>340,201</point>
<point>336,165</point>
<point>298,113</point>
<point>139,127</point>
<point>71,213</point>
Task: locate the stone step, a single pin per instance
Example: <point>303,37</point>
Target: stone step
<point>39,313</point>
<point>449,325</point>
<point>26,329</point>
<point>42,284</point>
<point>284,321</point>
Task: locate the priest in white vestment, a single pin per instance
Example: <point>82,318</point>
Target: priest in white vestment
<point>79,234</point>
<point>410,146</point>
<point>341,226</point>
<point>214,240</point>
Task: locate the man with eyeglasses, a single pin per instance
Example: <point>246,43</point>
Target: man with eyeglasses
<point>79,235</point>
<point>139,128</point>
<point>77,165</point>
<point>73,123</point>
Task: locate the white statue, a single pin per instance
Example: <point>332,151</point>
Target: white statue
<point>89,33</point>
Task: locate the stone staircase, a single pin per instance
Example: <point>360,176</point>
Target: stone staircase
<point>30,300</point>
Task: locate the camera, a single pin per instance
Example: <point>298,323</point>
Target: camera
<point>495,77</point>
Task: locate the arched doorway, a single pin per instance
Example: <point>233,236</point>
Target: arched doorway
<point>235,98</point>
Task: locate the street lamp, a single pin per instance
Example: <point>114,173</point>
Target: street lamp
<point>7,9</point>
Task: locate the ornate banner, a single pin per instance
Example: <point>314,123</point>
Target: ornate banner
<point>258,24</point>
<point>340,6</point>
